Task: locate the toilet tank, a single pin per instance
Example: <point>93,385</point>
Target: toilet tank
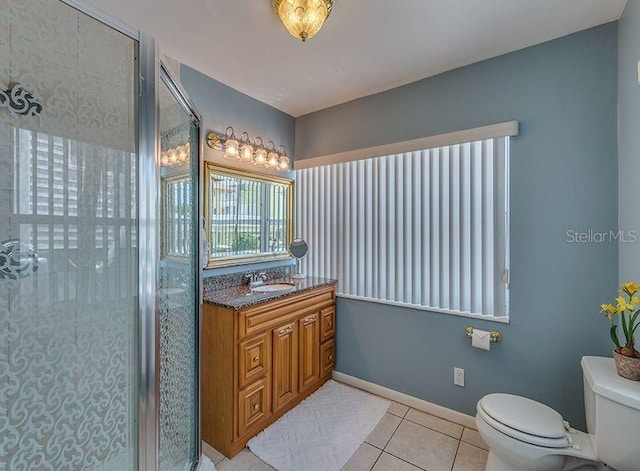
<point>612,408</point>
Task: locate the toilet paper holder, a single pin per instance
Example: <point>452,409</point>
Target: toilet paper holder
<point>494,335</point>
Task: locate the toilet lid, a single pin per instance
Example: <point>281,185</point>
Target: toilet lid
<point>524,415</point>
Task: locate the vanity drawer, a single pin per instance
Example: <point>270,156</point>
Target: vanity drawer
<point>253,359</point>
<point>328,323</point>
<point>254,405</point>
<point>327,357</point>
<point>269,315</point>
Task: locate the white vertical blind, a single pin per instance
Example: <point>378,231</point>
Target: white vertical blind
<point>426,229</point>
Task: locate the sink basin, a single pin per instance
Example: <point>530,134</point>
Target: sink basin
<point>273,287</point>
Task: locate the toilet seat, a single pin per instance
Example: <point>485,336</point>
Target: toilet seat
<point>525,420</point>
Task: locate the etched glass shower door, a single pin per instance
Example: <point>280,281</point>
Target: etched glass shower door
<point>178,298</point>
<point>68,244</point>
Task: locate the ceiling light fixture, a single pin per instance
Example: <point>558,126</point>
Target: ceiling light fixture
<point>303,18</point>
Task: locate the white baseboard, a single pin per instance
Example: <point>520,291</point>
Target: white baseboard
<point>420,404</point>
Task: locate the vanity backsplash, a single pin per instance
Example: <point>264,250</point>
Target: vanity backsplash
<point>216,282</point>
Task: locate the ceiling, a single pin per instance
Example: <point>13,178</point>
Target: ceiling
<point>365,47</point>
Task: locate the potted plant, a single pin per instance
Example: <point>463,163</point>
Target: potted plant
<point>627,309</point>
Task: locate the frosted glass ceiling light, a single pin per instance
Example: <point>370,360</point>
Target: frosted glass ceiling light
<point>230,145</point>
<point>303,18</point>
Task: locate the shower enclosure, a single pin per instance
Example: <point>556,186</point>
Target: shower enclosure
<point>98,318</point>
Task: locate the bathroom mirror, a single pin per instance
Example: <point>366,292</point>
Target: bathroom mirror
<point>299,249</point>
<point>249,216</point>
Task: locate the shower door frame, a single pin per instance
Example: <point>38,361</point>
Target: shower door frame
<point>147,78</point>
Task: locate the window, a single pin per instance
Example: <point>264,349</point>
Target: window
<point>249,216</point>
<point>424,229</point>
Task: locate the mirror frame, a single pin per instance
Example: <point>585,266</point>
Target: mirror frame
<point>233,260</point>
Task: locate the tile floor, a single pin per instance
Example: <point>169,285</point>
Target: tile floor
<point>405,439</point>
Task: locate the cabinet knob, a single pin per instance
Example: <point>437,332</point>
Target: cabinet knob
<point>331,357</point>
<point>310,319</point>
<point>256,359</point>
<point>330,323</point>
<point>256,406</point>
<point>285,330</point>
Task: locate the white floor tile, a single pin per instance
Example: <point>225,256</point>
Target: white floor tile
<point>435,423</point>
<point>390,463</point>
<point>470,458</point>
<point>423,447</point>
<point>380,435</point>
<point>363,459</point>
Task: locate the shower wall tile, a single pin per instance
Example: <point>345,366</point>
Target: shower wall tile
<point>44,29</point>
<point>104,114</point>
<point>54,83</point>
<point>104,53</point>
<point>5,62</point>
<point>4,23</point>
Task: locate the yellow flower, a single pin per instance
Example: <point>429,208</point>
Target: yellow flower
<point>634,303</point>
<point>630,288</point>
<point>609,309</point>
<point>622,305</point>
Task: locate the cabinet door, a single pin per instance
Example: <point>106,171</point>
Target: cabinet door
<point>309,351</point>
<point>254,405</point>
<point>328,324</point>
<point>328,357</point>
<point>285,365</point>
<point>254,356</point>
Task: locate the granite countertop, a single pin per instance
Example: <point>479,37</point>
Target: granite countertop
<point>240,297</point>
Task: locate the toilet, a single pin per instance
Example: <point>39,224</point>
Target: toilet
<point>525,435</point>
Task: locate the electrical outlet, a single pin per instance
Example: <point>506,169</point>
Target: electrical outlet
<point>458,377</point>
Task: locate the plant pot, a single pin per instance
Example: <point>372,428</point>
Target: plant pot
<point>627,367</point>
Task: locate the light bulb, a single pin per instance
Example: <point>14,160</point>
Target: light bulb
<point>283,163</point>
<point>173,156</point>
<point>261,157</point>
<point>272,160</point>
<point>246,152</point>
<point>231,149</point>
<point>182,153</point>
<point>164,159</point>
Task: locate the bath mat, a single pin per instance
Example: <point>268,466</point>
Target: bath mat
<point>322,432</point>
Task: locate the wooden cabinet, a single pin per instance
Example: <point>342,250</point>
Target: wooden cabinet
<point>260,361</point>
<point>309,351</point>
<point>285,365</point>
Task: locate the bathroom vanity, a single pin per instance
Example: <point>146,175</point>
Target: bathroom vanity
<point>262,353</point>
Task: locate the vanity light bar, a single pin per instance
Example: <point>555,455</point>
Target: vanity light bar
<point>245,151</point>
<point>175,155</point>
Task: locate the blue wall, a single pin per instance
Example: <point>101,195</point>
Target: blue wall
<point>222,106</point>
<point>629,123</point>
<point>563,176</point>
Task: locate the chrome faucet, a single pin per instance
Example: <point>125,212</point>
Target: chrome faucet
<point>255,279</point>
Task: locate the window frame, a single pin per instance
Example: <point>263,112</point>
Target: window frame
<point>234,260</point>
